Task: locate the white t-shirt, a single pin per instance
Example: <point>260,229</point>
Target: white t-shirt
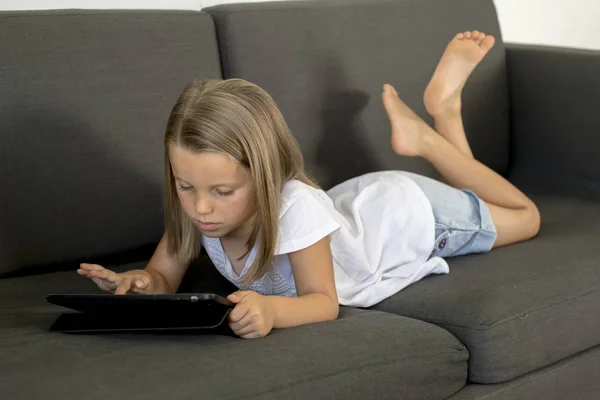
<point>381,229</point>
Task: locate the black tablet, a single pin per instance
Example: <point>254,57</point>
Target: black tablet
<point>140,312</point>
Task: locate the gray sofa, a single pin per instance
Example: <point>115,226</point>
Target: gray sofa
<point>84,98</point>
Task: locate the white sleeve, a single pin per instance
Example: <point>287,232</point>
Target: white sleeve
<point>303,221</point>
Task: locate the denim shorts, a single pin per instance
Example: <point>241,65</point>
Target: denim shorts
<point>463,223</point>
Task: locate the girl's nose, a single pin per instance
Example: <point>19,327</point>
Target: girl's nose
<point>203,205</point>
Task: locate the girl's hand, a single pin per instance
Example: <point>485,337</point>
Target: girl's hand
<point>253,316</point>
<point>137,281</point>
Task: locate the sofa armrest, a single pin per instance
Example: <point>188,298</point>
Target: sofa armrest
<point>555,113</point>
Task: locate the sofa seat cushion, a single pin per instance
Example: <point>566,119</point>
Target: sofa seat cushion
<point>363,354</point>
<point>575,377</point>
<point>521,307</point>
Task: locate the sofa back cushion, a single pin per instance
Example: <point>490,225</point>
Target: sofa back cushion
<point>84,100</point>
<point>324,62</point>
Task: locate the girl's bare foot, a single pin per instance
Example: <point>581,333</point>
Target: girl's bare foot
<point>463,54</point>
<point>409,132</point>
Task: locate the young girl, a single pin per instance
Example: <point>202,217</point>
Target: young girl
<point>235,184</point>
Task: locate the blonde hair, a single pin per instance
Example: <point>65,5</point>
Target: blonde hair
<point>236,118</point>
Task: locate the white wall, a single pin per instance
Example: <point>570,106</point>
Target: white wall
<point>574,23</point>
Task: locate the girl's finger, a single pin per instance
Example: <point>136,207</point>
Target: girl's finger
<point>238,312</point>
<point>248,329</point>
<point>91,267</point>
<point>112,276</point>
<point>105,286</point>
<point>142,282</point>
<point>136,290</point>
<point>97,274</point>
<point>124,286</point>
<point>87,269</point>
<point>251,335</point>
<point>140,285</point>
<point>241,324</point>
<point>106,274</point>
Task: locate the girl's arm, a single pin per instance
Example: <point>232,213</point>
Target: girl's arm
<point>255,315</point>
<point>166,272</point>
<point>315,285</point>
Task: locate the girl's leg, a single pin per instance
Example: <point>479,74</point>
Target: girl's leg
<point>443,94</point>
<point>515,216</point>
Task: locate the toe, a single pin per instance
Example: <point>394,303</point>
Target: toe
<point>388,103</point>
<point>475,35</point>
<point>468,35</point>
<point>389,87</point>
<point>460,36</point>
<point>480,38</point>
<point>488,42</point>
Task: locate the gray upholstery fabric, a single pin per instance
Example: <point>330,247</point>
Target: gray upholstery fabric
<point>521,307</point>
<point>84,96</point>
<point>363,354</point>
<point>84,100</point>
<point>324,62</point>
<point>555,95</point>
<point>573,378</point>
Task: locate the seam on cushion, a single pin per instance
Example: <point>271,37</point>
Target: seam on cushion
<point>492,325</point>
<point>221,34</point>
<point>348,370</point>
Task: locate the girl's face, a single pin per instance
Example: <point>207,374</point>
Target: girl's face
<point>214,191</point>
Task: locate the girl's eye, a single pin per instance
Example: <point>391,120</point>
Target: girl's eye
<point>185,188</point>
<point>229,193</point>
